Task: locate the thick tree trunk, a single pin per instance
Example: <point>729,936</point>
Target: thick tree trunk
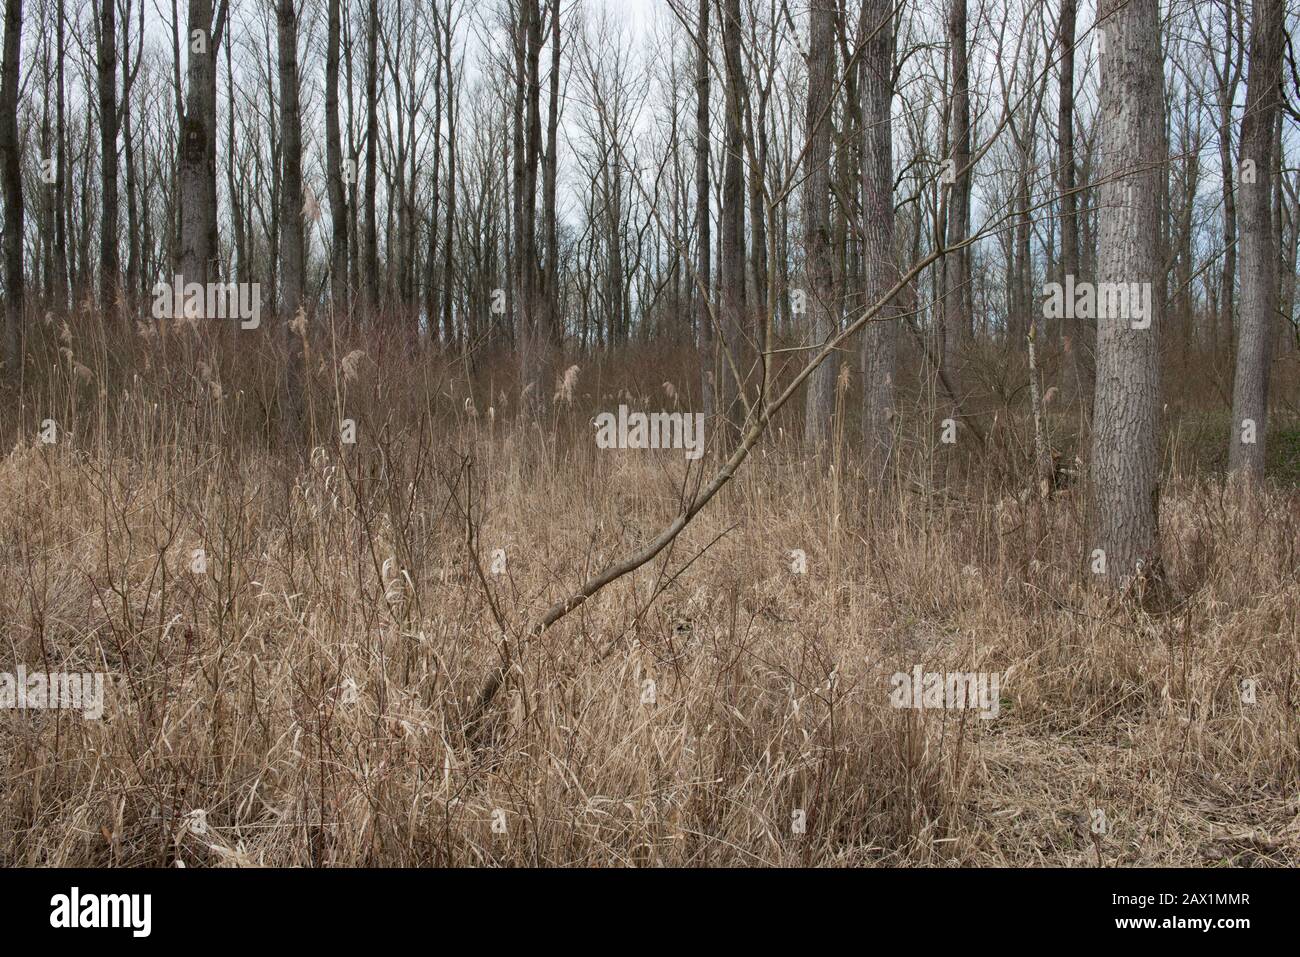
<point>370,241</point>
<point>536,342</point>
<point>1259,249</point>
<point>291,224</point>
<point>820,299</point>
<point>198,171</point>
<point>450,331</point>
<point>1124,468</point>
<point>879,268</point>
<point>1228,77</point>
<point>133,227</point>
<point>60,167</point>
<point>550,227</point>
<point>109,279</point>
<point>735,354</point>
<point>1067,179</point>
<point>705,338</point>
<point>238,218</point>
<point>431,297</point>
<point>756,126</point>
<point>955,324</point>
<point>11,173</point>
<point>334,170</point>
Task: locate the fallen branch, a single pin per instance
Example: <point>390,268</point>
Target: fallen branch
<point>487,694</point>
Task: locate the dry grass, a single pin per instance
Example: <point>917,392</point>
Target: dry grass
<point>308,692</point>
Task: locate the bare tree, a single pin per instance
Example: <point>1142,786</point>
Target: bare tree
<point>1259,245</point>
<point>12,174</point>
<point>198,152</point>
<point>106,53</point>
<point>550,174</point>
<point>370,239</point>
<point>880,269</point>
<point>450,329</point>
<point>536,341</point>
<point>704,254</point>
<point>1225,60</point>
<point>732,241</point>
<point>339,292</point>
<point>1066,173</point>
<point>59,240</point>
<point>1067,178</point>
<point>955,324</point>
<point>1124,467</point>
<point>292,253</point>
<point>130,70</point>
<point>822,304</point>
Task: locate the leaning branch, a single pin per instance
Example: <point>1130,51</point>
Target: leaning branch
<point>698,501</point>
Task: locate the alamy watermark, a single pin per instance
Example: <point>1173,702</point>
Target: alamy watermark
<point>75,909</point>
<point>651,430</point>
<point>954,690</point>
<point>1103,300</point>
<point>38,690</point>
<point>214,300</point>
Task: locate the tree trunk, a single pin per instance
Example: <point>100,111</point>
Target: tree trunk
<point>703,250</point>
<point>735,355</point>
<point>1259,251</point>
<point>60,169</point>
<point>955,325</point>
<point>821,302</point>
<point>334,171</point>
<point>370,241</point>
<point>431,297</point>
<point>291,224</point>
<point>109,279</point>
<point>880,271</point>
<point>1228,78</point>
<point>238,219</point>
<point>448,318</point>
<point>1124,468</point>
<point>1066,174</point>
<point>133,228</point>
<point>12,173</point>
<point>550,227</point>
<point>536,348</point>
<point>198,171</point>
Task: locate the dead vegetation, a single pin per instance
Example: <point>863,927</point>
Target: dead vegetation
<point>303,700</point>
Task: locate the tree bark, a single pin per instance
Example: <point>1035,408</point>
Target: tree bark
<point>735,355</point>
<point>550,227</point>
<point>12,174</point>
<point>133,226</point>
<point>536,343</point>
<point>955,325</point>
<point>448,318</point>
<point>198,170</point>
<point>1259,248</point>
<point>109,279</point>
<point>703,249</point>
<point>1228,78</point>
<point>1066,176</point>
<point>821,302</point>
<point>432,301</point>
<point>879,267</point>
<point>1124,467</point>
<point>339,293</point>
<point>291,224</point>
<point>370,241</point>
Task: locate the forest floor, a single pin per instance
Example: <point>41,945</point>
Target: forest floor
<point>293,647</point>
<point>294,641</point>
